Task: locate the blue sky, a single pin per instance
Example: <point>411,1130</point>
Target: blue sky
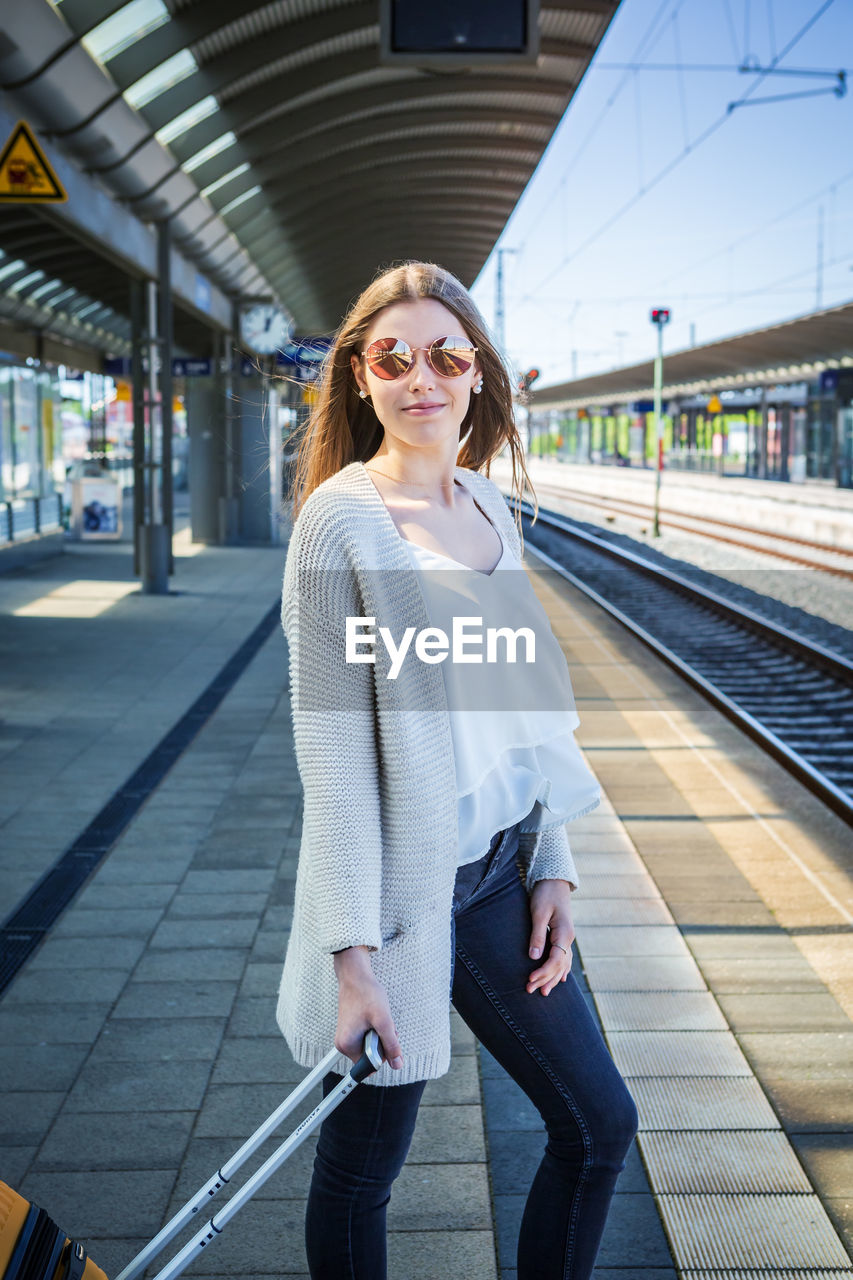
<point>728,239</point>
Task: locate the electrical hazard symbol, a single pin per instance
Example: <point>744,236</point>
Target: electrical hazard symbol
<point>25,174</point>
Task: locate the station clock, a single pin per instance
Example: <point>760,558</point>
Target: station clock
<point>265,328</point>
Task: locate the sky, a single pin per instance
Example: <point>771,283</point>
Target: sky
<point>652,193</point>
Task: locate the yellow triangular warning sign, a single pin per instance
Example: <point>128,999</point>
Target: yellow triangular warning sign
<point>25,175</point>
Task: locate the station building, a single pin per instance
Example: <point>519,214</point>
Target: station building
<point>774,404</point>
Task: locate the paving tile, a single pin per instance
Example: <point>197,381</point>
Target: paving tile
<point>247,1060</point>
<point>427,1255</point>
<point>39,1024</point>
<point>784,1011</point>
<point>451,1135</point>
<point>262,979</point>
<point>87,953</point>
<point>454,1195</point>
<point>119,1140</point>
<point>206,964</point>
<point>647,940</point>
<point>620,911</point>
<point>508,1108</point>
<point>756,974</point>
<point>205,1156</point>
<point>150,1086</point>
<point>191,998</point>
<point>230,858</point>
<point>255,1017</point>
<point>187,934</point>
<point>659,1011</point>
<point>14,1163</point>
<point>130,871</point>
<point>633,1234</point>
<point>263,1240</point>
<point>250,880</point>
<point>120,897</point>
<point>813,1055</point>
<point>725,914</point>
<point>25,1117</point>
<point>644,973</point>
<point>637,1272</point>
<point>107,922</point>
<point>812,1106</point>
<point>459,1085</point>
<point>102,1203</point>
<point>234,1111</point>
<point>40,1066</point>
<point>233,906</point>
<point>677,1053</point>
<point>828,1161</point>
<point>65,986</point>
<point>158,1040</point>
<point>739,943</point>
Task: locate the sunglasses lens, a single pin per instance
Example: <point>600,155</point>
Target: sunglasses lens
<point>389,357</point>
<point>451,357</point>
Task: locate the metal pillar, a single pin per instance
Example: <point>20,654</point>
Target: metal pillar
<point>660,317</point>
<point>137,324</point>
<point>500,334</point>
<point>164,266</point>
<point>226,357</point>
<point>154,543</point>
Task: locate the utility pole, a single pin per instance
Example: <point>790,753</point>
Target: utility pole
<point>500,334</point>
<point>659,317</point>
<point>819,283</point>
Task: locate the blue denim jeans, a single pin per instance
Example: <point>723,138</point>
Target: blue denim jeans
<point>550,1045</point>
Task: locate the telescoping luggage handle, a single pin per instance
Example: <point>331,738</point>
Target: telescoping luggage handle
<point>370,1061</point>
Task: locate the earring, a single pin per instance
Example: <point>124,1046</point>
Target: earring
<point>478,388</point>
<point>363,395</point>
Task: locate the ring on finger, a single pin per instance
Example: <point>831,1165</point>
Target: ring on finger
<point>560,945</point>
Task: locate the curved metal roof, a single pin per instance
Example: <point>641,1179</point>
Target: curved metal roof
<point>791,351</point>
<point>323,163</point>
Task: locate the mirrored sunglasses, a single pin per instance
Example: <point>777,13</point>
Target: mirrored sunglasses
<point>390,358</point>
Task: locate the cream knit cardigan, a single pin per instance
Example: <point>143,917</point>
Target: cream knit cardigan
<point>378,853</point>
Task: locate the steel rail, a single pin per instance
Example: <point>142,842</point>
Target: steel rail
<point>839,667</point>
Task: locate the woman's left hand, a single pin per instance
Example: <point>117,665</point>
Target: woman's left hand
<point>550,905</point>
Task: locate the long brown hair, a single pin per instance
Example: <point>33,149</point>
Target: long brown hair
<point>342,428</point>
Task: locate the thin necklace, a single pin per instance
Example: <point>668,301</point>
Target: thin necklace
<point>406,484</point>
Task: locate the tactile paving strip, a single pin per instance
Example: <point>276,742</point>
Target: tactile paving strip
<point>596,861</point>
<point>677,1053</point>
<point>659,1011</point>
<point>627,940</point>
<point>643,911</point>
<point>616,886</point>
<point>747,1231</point>
<point>702,1102</point>
<point>643,973</point>
<point>740,1274</point>
<point>732,1161</point>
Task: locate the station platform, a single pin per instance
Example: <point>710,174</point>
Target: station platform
<point>818,511</point>
<point>139,1043</point>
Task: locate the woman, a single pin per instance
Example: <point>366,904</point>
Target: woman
<point>434,860</point>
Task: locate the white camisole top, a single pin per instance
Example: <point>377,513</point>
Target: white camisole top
<point>512,723</point>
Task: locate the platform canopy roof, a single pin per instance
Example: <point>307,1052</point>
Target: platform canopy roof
<point>324,163</point>
<point>793,351</point>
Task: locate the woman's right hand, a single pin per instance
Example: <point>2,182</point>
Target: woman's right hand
<point>362,1004</point>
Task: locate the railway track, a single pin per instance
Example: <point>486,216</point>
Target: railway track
<point>790,694</point>
<point>768,542</point>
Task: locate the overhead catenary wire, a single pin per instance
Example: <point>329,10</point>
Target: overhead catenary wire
<point>688,150</point>
<point>650,31</point>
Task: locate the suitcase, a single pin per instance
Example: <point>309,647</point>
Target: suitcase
<point>33,1247</point>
